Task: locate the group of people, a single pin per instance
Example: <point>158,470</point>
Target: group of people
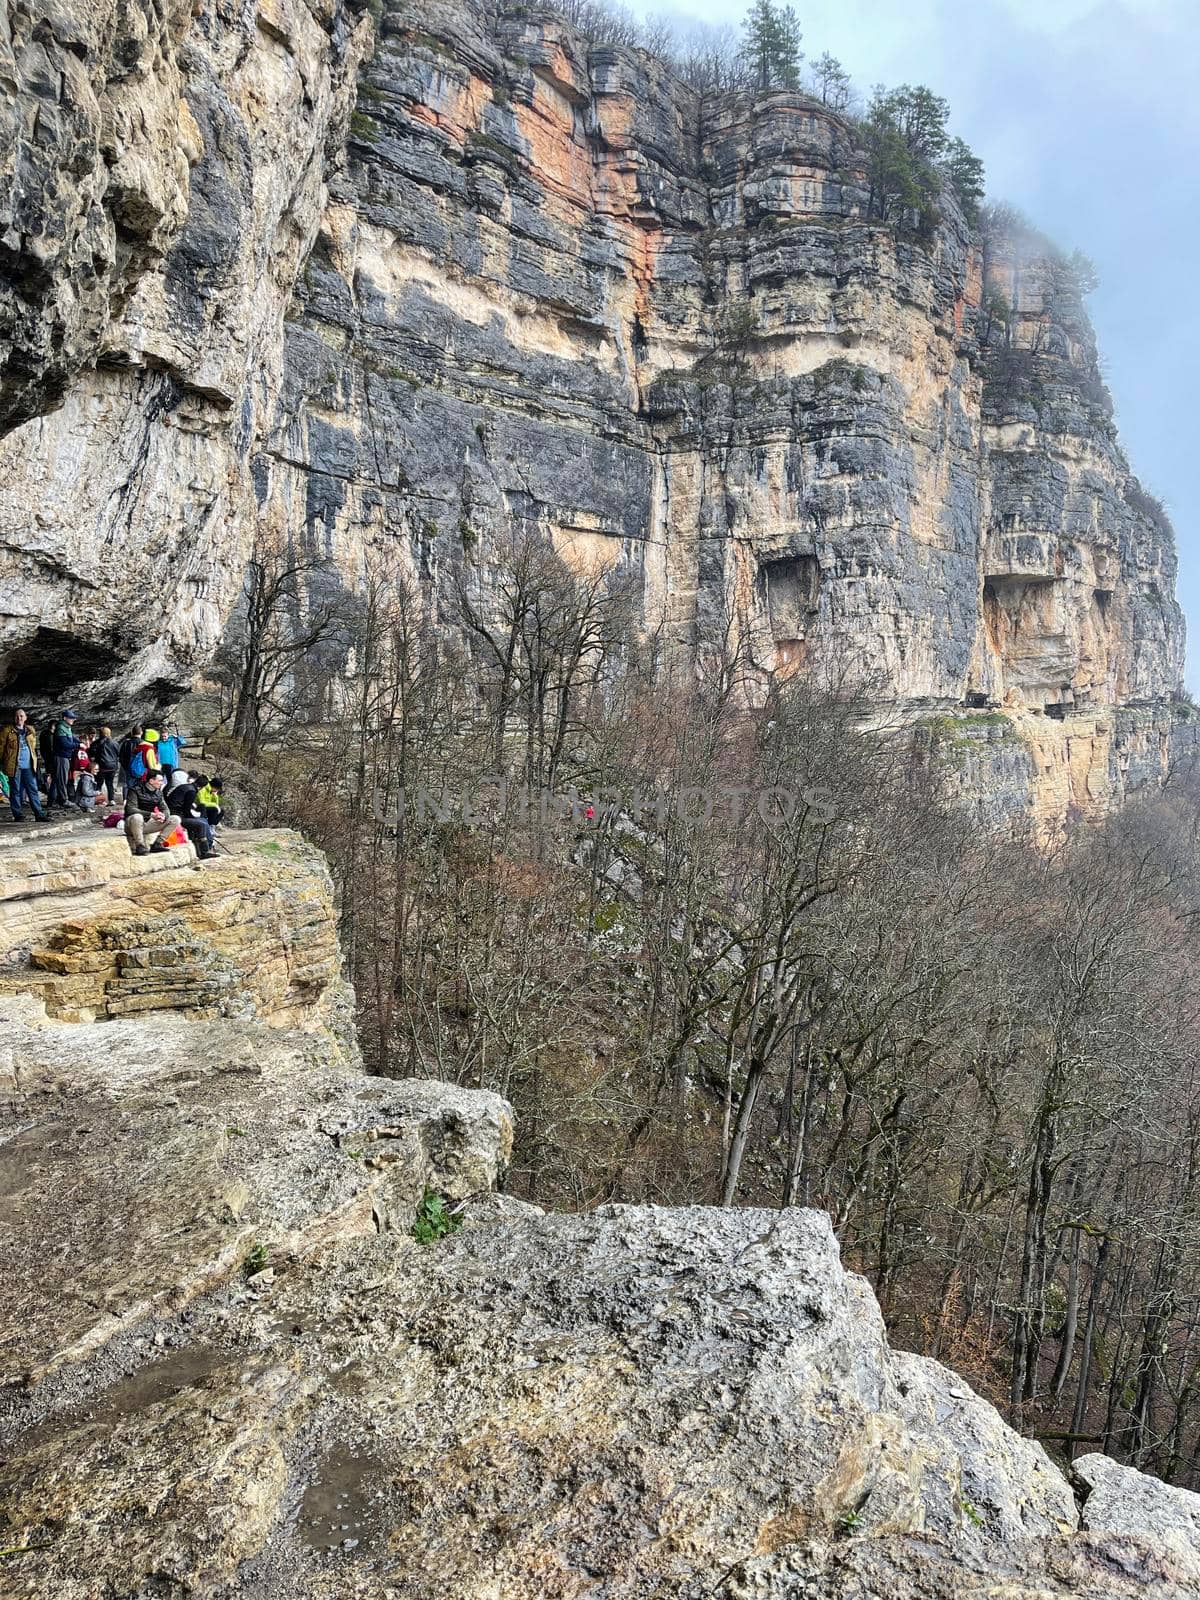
<point>61,768</point>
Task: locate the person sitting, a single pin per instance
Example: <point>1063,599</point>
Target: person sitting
<point>181,799</point>
<point>208,797</point>
<point>86,791</point>
<point>81,761</point>
<point>147,815</point>
<point>19,763</point>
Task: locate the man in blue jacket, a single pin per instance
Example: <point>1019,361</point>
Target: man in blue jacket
<point>65,746</point>
<point>169,746</point>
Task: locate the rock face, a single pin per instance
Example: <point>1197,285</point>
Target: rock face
<point>528,284</point>
<point>179,1079</point>
<point>227,1366</point>
<point>635,1403</point>
<point>557,289</point>
<point>97,933</point>
<point>162,172</point>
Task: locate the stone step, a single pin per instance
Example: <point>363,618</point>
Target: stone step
<point>16,833</point>
<point>46,865</point>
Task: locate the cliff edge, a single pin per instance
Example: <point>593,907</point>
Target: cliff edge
<point>228,1367</point>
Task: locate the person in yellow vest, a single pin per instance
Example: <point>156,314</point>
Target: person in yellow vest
<point>208,797</point>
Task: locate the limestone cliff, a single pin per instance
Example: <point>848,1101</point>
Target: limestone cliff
<point>162,173</point>
<point>551,287</point>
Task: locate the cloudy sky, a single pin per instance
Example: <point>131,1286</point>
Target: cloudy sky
<point>1087,113</point>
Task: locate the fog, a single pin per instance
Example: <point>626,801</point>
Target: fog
<point>1087,115</point>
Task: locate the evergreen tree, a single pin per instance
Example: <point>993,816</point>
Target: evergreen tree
<point>910,154</point>
<point>965,172</point>
<point>771,45</point>
<point>789,55</point>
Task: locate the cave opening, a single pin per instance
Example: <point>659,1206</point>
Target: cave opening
<point>51,663</point>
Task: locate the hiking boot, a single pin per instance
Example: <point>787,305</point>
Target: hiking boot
<point>140,850</point>
<point>159,850</point>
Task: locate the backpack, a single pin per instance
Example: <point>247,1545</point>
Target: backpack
<point>137,765</point>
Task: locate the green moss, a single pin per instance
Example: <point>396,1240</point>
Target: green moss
<point>605,917</point>
<point>953,736</point>
<point>843,373</point>
<point>364,128</point>
<point>430,41</point>
<point>484,141</point>
<point>960,727</point>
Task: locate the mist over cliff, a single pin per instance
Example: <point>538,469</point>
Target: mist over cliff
<point>425,281</point>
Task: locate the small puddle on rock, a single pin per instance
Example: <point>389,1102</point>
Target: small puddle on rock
<point>127,1396</point>
<point>341,1505</point>
<point>161,1379</point>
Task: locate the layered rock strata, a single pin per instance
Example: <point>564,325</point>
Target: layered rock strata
<point>556,289</point>
<point>552,288</point>
<point>179,1082</point>
<point>162,174</point>
<point>97,933</point>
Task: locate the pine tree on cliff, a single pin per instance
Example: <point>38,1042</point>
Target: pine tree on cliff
<point>965,172</point>
<point>771,45</point>
<point>910,156</point>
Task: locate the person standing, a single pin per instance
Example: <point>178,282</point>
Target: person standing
<point>19,762</point>
<point>65,746</point>
<point>147,751</point>
<point>106,759</point>
<point>125,752</point>
<point>169,746</point>
<point>46,758</point>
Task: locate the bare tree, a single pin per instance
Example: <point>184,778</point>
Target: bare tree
<point>286,616</point>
